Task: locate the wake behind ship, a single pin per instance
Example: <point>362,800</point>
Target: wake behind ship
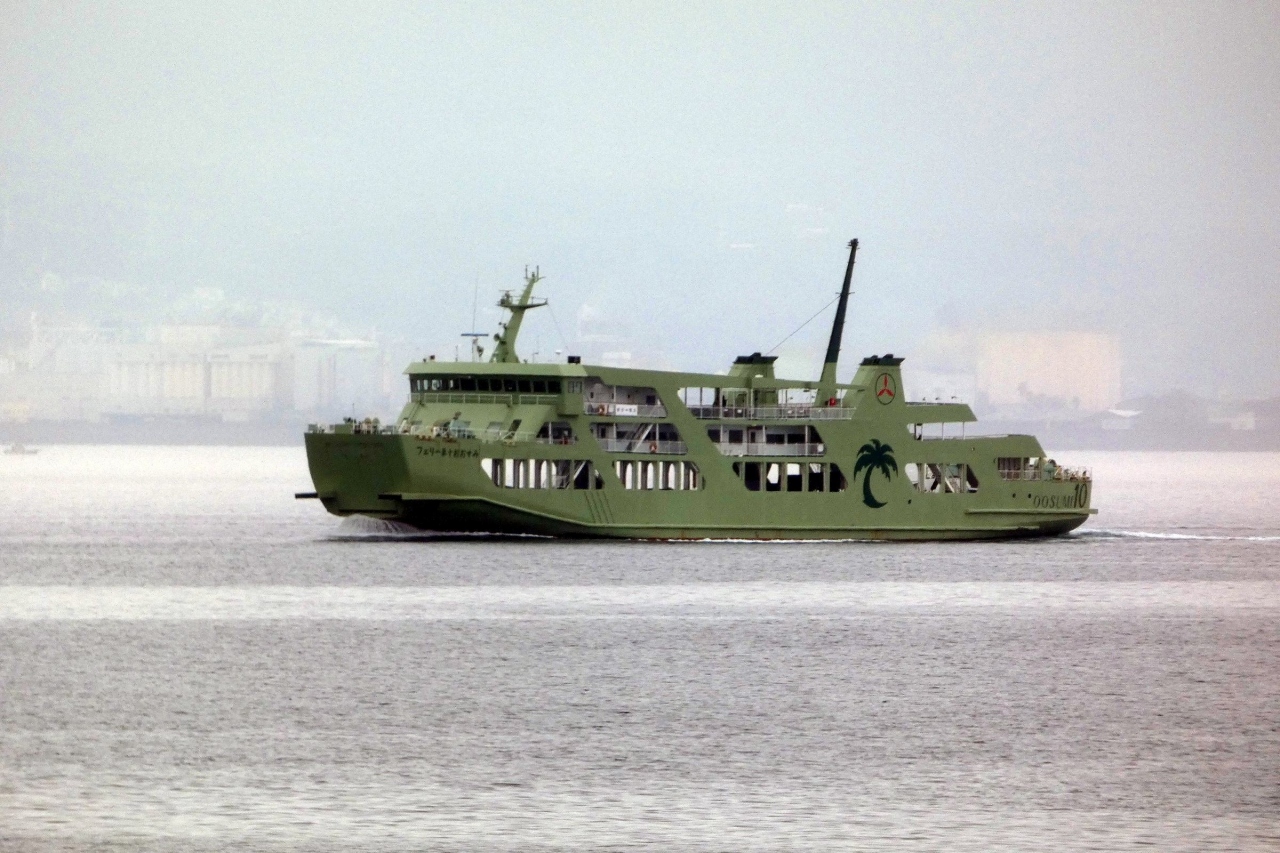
<point>574,450</point>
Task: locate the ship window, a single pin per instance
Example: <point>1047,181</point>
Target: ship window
<point>951,478</point>
<point>1015,467</point>
<point>663,476</point>
<point>773,477</point>
<point>539,386</point>
<point>672,475</point>
<point>524,386</point>
<point>628,400</point>
<point>553,386</point>
<point>509,385</point>
<point>556,432</point>
<point>932,479</point>
<point>691,478</point>
<point>953,429</point>
<point>790,476</point>
<point>542,473</point>
<point>735,436</point>
<point>713,433</point>
<point>468,383</point>
<point>815,477</point>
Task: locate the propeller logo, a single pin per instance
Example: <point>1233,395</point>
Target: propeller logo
<point>886,389</point>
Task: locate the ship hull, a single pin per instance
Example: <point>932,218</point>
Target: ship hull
<point>441,487</point>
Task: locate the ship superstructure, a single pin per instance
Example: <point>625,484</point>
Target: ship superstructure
<point>508,446</point>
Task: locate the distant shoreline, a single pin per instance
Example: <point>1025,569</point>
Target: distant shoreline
<point>209,432</point>
<point>1059,437</point>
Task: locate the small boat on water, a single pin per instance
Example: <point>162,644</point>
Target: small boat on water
<point>582,450</point>
<point>19,449</point>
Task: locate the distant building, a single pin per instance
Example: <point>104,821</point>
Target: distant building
<point>224,373</point>
<point>1050,371</point>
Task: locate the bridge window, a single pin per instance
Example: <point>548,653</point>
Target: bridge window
<point>933,431</point>
<point>441,384</point>
<point>1018,467</point>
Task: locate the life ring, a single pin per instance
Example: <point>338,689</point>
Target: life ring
<point>600,409</point>
<point>832,403</point>
<point>653,447</point>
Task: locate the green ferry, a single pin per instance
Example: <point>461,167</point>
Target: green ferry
<point>577,450</point>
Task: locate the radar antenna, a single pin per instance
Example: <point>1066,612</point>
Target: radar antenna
<point>504,349</point>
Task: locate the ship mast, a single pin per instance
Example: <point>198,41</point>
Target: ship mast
<point>505,349</point>
<point>827,383</point>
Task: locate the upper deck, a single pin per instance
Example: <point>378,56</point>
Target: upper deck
<point>575,388</point>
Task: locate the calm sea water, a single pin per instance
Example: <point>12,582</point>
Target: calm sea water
<point>192,660</point>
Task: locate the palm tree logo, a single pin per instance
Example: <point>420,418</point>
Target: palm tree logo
<point>874,456</point>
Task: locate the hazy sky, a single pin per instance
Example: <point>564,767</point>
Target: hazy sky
<point>686,174</point>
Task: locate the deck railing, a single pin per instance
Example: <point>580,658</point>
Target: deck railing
<point>626,445</point>
<point>508,437</point>
<point>446,434</point>
<point>772,413</point>
<point>623,410</point>
<point>1036,475</point>
<point>760,448</point>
